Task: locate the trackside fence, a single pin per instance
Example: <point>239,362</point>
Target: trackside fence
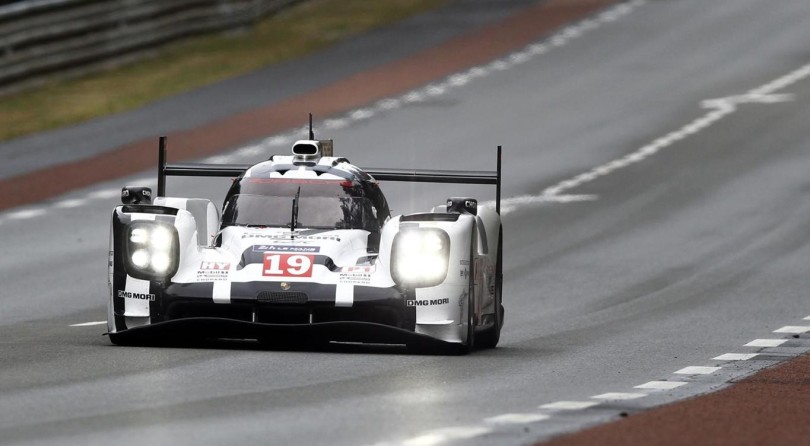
<point>41,38</point>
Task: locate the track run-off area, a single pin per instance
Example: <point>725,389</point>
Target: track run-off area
<point>655,245</point>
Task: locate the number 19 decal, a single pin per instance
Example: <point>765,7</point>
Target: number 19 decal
<point>287,265</point>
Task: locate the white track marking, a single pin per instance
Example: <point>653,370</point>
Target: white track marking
<point>72,203</point>
<point>89,324</point>
<point>569,405</point>
<point>661,385</point>
<point>618,396</point>
<point>807,318</point>
<point>104,194</point>
<point>516,418</point>
<point>26,214</point>
<point>735,356</point>
<point>697,370</point>
<point>766,343</point>
<point>445,435</point>
<point>793,329</point>
<point>144,181</point>
<point>718,109</point>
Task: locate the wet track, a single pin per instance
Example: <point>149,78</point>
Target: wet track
<point>687,249</point>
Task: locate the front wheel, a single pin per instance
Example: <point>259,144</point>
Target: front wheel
<point>469,344</point>
<point>124,340</point>
<point>490,337</point>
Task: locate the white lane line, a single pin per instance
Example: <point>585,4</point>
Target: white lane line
<point>718,109</point>
<point>697,370</point>
<point>735,356</point>
<point>445,435</point>
<point>618,396</point>
<point>661,385</point>
<point>807,318</point>
<point>25,214</point>
<point>569,405</point>
<point>143,181</point>
<point>793,329</point>
<point>89,324</point>
<point>766,343</point>
<point>72,203</point>
<point>104,194</point>
<point>517,418</point>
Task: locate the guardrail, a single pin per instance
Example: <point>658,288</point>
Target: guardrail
<point>40,38</point>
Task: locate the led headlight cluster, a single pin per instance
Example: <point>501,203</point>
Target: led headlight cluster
<point>419,257</point>
<point>152,250</point>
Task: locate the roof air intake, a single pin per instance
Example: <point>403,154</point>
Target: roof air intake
<point>306,149</point>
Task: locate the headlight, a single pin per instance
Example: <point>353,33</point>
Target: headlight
<point>152,249</point>
<point>419,257</point>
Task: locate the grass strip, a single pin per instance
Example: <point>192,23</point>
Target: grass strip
<point>183,66</point>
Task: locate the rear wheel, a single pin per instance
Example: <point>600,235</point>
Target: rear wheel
<point>489,338</point>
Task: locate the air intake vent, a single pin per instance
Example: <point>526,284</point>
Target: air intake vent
<point>283,297</point>
<point>306,149</point>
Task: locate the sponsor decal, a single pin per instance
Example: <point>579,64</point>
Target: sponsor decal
<point>287,265</point>
<point>465,263</point>
<point>215,266</point>
<point>298,238</point>
<point>358,269</point>
<point>142,296</point>
<point>286,248</point>
<point>355,278</point>
<point>464,273</point>
<point>356,275</point>
<point>213,271</point>
<point>426,302</point>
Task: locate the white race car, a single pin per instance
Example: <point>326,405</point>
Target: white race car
<point>306,251</point>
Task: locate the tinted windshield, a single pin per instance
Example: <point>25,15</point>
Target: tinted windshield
<point>322,204</point>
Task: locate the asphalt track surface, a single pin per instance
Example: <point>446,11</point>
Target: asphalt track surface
<point>688,249</point>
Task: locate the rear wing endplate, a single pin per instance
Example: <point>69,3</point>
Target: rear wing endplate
<point>417,176</point>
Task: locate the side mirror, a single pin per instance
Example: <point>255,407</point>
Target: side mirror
<point>456,205</point>
<point>136,195</point>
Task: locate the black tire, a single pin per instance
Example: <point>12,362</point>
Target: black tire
<point>125,341</point>
<point>489,338</point>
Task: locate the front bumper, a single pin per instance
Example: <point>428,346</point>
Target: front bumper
<point>301,303</point>
<point>219,328</point>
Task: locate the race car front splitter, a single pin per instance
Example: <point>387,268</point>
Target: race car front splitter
<point>219,328</point>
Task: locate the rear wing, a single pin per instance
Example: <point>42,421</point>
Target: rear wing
<point>416,176</point>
